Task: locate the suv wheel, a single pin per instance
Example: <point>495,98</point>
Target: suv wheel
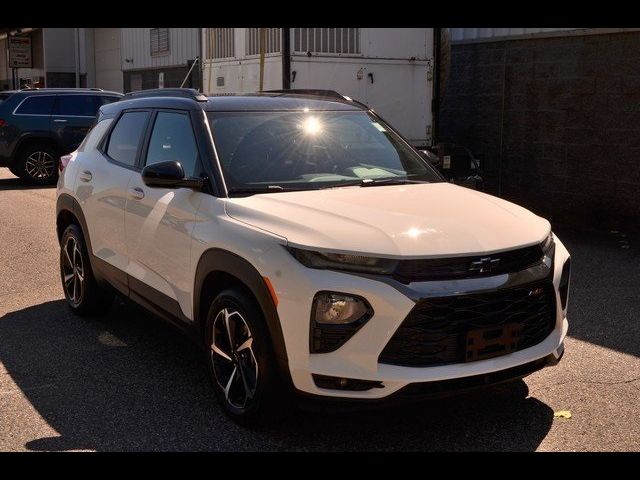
<point>38,165</point>
<point>241,361</point>
<point>81,290</point>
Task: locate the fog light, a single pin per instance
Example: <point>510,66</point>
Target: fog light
<point>337,383</point>
<point>335,318</point>
<point>338,309</point>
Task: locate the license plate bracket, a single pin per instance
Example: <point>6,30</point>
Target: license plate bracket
<point>483,343</point>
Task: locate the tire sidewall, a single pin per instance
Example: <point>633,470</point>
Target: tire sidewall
<point>94,299</point>
<point>266,384</point>
<point>74,231</point>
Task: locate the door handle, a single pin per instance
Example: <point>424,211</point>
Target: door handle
<point>60,120</point>
<point>86,176</point>
<point>136,192</point>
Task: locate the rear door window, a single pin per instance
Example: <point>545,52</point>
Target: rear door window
<point>76,106</point>
<point>125,137</point>
<point>36,105</point>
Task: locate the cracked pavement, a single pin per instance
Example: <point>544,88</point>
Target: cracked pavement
<point>127,382</point>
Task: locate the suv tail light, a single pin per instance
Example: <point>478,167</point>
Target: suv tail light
<point>64,161</point>
<point>2,123</point>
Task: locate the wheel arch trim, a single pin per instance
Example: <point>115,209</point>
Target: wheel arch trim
<point>34,137</point>
<point>66,202</point>
<point>224,261</point>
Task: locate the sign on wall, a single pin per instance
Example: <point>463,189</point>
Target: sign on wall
<point>161,80</point>
<point>20,52</point>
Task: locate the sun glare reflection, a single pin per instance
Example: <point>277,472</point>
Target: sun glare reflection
<point>311,126</point>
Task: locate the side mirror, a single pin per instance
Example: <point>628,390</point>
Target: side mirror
<point>431,157</point>
<point>169,175</point>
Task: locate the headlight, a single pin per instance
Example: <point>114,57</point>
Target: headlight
<point>548,244</point>
<point>338,309</point>
<point>548,250</point>
<point>339,261</point>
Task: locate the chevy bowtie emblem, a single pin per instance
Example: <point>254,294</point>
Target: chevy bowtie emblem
<point>485,264</point>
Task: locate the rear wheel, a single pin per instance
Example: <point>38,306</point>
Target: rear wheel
<point>38,164</point>
<point>241,359</point>
<point>84,295</point>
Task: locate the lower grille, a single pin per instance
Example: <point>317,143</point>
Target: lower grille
<point>440,331</point>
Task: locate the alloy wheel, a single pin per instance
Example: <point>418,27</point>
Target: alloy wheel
<point>40,165</point>
<point>234,362</point>
<point>73,271</point>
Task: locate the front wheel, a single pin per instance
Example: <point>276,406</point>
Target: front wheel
<point>241,359</point>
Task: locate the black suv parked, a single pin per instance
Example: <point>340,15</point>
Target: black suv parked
<point>37,126</point>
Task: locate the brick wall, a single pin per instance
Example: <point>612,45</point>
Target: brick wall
<point>557,121</point>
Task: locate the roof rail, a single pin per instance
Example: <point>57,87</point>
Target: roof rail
<point>314,92</point>
<point>191,93</point>
<point>96,89</point>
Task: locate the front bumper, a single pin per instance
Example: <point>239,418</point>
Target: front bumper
<point>358,358</point>
<point>420,391</point>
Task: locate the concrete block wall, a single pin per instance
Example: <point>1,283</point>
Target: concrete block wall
<point>557,121</point>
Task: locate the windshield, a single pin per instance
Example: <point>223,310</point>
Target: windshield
<point>275,151</point>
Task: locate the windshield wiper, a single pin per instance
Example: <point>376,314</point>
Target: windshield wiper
<point>253,190</point>
<point>372,182</point>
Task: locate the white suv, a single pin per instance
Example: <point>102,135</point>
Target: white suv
<point>309,249</point>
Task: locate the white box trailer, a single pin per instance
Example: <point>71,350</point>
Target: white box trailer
<point>389,69</point>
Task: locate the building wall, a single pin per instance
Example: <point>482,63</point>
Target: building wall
<point>108,61</point>
<point>60,49</point>
<point>557,121</point>
<point>173,77</point>
<point>136,47</point>
<point>465,34</point>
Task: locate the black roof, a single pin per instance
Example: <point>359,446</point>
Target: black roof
<point>44,91</point>
<point>278,101</point>
<point>264,101</point>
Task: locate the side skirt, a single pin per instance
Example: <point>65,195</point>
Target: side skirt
<point>147,297</point>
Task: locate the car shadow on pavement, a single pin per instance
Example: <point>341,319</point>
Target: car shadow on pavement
<point>18,184</point>
<point>126,382</point>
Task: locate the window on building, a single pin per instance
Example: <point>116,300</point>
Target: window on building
<point>271,41</point>
<point>173,140</point>
<point>221,43</point>
<point>36,105</point>
<point>327,40</point>
<point>125,137</point>
<point>159,41</point>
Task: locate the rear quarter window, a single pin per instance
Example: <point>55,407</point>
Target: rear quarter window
<point>36,105</point>
<point>95,135</point>
<point>126,136</point>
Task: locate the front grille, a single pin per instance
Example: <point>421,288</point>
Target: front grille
<point>436,331</point>
<point>461,267</point>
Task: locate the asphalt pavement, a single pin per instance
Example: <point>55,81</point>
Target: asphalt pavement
<point>127,382</point>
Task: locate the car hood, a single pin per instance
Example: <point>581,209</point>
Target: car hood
<point>413,220</point>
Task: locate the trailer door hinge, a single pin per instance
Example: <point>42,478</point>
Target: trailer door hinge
<point>429,70</point>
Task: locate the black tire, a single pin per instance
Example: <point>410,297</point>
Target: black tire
<point>269,400</point>
<point>37,164</point>
<point>84,295</point>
